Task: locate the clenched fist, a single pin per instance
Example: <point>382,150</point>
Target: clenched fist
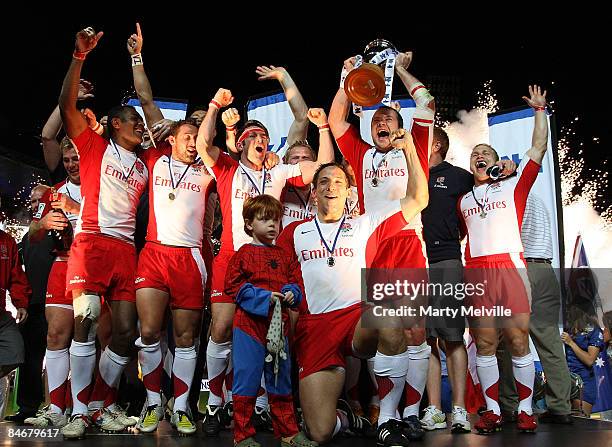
<point>230,117</point>
<point>317,117</point>
<point>401,139</point>
<point>223,97</point>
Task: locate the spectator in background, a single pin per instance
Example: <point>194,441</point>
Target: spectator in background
<point>13,280</point>
<point>544,324</point>
<point>583,343</point>
<point>37,260</point>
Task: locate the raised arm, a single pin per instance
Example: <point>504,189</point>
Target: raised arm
<point>326,147</point>
<point>299,109</point>
<point>204,144</point>
<point>74,122</point>
<point>417,193</point>
<point>230,118</point>
<point>338,114</point>
<point>417,90</point>
<point>50,145</point>
<point>141,82</point>
<point>539,139</point>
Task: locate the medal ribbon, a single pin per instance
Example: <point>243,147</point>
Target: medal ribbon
<point>302,201</point>
<point>263,178</point>
<point>333,247</point>
<point>118,155</point>
<point>172,174</point>
<point>482,204</point>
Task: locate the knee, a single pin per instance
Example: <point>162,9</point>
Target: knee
<point>485,346</point>
<point>221,331</point>
<point>58,338</point>
<point>320,434</point>
<point>392,341</point>
<point>184,339</point>
<point>415,336</point>
<point>149,335</point>
<point>518,344</point>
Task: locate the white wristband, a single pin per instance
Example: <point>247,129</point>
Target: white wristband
<point>136,59</point>
<point>343,76</point>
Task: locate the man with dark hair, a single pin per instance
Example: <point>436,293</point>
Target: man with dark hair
<point>182,160</point>
<point>381,178</point>
<point>237,181</point>
<point>332,249</point>
<point>103,257</point>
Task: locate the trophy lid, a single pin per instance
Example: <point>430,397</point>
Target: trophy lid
<point>375,47</point>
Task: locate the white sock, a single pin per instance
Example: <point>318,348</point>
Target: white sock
<point>82,364</point>
<point>374,400</point>
<point>217,356</point>
<point>524,376</point>
<point>150,360</point>
<point>229,380</point>
<point>110,368</point>
<point>390,373</point>
<point>342,423</point>
<point>416,379</point>
<point>262,400</point>
<point>182,375</point>
<point>58,366</point>
<point>488,374</point>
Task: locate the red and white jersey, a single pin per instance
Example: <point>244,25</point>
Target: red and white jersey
<point>236,182</point>
<point>298,205</point>
<point>497,229</point>
<point>69,189</point>
<point>178,221</point>
<point>337,287</point>
<point>112,181</point>
<point>390,169</point>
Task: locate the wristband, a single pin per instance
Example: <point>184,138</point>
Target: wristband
<point>136,59</point>
<point>539,109</point>
<point>324,127</point>
<point>79,55</point>
<point>98,128</point>
<point>230,128</point>
<point>214,104</point>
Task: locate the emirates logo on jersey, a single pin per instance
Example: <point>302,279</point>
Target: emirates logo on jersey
<point>440,183</point>
<point>268,177</point>
<point>4,250</point>
<point>490,206</point>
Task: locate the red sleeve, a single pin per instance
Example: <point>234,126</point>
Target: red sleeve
<point>18,285</point>
<point>234,275</point>
<point>422,133</point>
<point>89,141</point>
<point>225,165</point>
<point>527,177</point>
<point>353,148</point>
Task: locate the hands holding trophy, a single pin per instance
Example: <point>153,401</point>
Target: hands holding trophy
<point>369,78</point>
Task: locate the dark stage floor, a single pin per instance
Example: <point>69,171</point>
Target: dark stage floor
<point>583,432</point>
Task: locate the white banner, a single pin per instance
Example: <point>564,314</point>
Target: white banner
<point>510,135</point>
<point>273,112</point>
<point>172,110</point>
